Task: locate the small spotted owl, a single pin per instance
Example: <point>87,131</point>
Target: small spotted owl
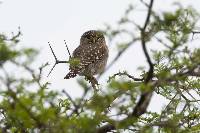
<point>92,54</point>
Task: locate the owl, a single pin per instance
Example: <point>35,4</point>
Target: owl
<point>92,54</point>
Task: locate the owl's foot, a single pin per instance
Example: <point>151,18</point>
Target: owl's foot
<point>92,80</point>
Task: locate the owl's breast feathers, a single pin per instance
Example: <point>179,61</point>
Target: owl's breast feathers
<point>87,54</point>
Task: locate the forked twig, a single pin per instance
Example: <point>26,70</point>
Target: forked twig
<point>56,60</point>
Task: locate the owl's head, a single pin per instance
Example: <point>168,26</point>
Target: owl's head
<point>92,37</point>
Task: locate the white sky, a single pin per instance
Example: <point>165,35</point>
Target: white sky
<point>55,20</point>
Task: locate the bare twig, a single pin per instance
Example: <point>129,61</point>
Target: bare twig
<point>14,38</point>
<point>56,60</point>
<point>68,49</point>
<point>32,72</point>
<point>41,70</point>
<point>143,2</point>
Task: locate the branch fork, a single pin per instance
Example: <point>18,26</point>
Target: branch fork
<point>56,59</point>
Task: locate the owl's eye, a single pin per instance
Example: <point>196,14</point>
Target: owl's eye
<point>88,37</point>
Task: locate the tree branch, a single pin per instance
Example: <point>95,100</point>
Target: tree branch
<point>125,74</point>
<point>155,83</point>
<point>144,100</point>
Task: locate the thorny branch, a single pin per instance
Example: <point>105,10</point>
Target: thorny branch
<point>56,59</point>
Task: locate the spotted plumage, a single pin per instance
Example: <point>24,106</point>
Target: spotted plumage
<point>92,54</point>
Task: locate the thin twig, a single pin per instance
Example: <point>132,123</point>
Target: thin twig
<point>17,35</point>
<point>143,2</point>
<point>76,107</point>
<point>32,72</point>
<point>125,74</point>
<point>69,97</point>
<point>81,102</point>
<point>68,49</point>
<point>56,60</point>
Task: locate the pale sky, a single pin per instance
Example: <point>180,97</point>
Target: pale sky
<point>57,20</point>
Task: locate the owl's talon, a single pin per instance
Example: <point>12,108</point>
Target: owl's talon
<point>92,80</point>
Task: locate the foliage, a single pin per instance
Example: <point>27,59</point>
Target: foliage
<point>29,105</point>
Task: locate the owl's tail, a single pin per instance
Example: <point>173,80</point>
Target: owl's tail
<point>71,74</point>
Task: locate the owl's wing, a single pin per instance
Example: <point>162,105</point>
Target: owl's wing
<point>90,54</point>
<point>87,54</point>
